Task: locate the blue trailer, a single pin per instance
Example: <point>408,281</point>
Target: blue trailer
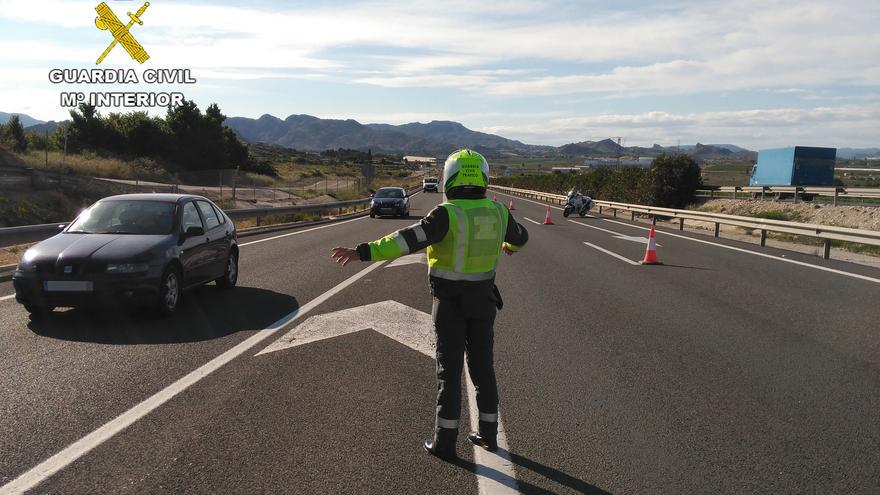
<point>795,166</point>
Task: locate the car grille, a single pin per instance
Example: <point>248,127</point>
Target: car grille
<point>76,268</point>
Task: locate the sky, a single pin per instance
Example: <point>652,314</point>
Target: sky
<point>753,73</point>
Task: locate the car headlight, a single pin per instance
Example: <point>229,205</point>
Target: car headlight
<point>127,267</point>
<point>27,260</point>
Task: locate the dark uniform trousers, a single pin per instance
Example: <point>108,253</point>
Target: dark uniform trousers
<point>463,324</point>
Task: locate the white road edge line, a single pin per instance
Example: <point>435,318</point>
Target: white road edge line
<point>81,447</point>
<point>530,220</point>
<point>10,296</point>
<point>631,262</point>
<point>763,255</point>
<point>301,231</point>
<point>494,470</point>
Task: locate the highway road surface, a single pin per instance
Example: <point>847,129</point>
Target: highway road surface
<point>729,369</point>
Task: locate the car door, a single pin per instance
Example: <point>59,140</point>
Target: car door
<point>218,242</point>
<point>194,253</point>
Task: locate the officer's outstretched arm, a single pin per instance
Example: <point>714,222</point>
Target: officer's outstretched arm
<point>516,236</point>
<point>429,230</point>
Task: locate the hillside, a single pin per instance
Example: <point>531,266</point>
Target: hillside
<point>438,138</point>
<point>26,120</point>
<point>304,132</point>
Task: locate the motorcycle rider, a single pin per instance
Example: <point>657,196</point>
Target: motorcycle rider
<point>577,201</point>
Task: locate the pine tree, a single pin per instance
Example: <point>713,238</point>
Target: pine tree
<point>16,132</point>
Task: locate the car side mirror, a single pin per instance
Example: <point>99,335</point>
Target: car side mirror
<point>194,232</point>
<point>372,195</point>
<point>62,227</point>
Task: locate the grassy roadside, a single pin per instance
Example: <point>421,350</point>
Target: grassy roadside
<point>91,164</point>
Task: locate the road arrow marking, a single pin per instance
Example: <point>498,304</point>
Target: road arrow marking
<point>409,259</point>
<point>414,329</point>
<point>640,240</point>
<point>410,327</point>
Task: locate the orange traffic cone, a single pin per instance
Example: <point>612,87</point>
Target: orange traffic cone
<point>510,207</point>
<point>651,251</point>
<point>547,220</point>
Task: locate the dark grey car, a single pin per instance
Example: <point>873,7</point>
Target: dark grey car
<point>147,247</point>
<point>389,201</point>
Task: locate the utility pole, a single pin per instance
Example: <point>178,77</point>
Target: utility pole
<point>619,150</point>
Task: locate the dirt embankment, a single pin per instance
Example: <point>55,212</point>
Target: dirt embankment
<point>856,217</point>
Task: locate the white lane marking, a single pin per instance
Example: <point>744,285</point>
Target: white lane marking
<point>10,296</point>
<point>409,259</point>
<point>530,220</point>
<point>631,262</point>
<point>530,201</point>
<point>81,447</point>
<point>597,228</point>
<point>494,470</point>
<point>769,256</point>
<point>301,231</point>
<point>617,235</point>
<point>409,326</point>
<point>755,253</point>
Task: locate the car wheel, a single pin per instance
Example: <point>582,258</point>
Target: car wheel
<point>372,215</point>
<point>230,276</point>
<point>169,291</point>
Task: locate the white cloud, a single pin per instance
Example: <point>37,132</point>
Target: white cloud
<point>515,48</point>
<point>850,125</point>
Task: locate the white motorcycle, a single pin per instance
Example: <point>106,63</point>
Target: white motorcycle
<point>575,201</point>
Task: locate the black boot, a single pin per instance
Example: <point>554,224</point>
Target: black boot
<point>487,436</point>
<point>443,444</point>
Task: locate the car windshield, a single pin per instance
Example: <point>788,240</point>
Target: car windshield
<point>389,193</point>
<point>126,217</point>
<point>431,179</point>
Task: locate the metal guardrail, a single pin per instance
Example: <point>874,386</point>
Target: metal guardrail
<point>32,233</point>
<point>827,233</point>
<point>259,213</point>
<point>796,191</point>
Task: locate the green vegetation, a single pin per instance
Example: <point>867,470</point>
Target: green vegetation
<point>727,173</point>
<point>12,134</point>
<point>671,182</point>
<point>184,140</point>
<point>777,215</point>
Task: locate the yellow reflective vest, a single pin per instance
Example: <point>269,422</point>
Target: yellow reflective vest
<point>472,247</point>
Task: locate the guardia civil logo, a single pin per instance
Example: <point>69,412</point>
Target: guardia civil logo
<point>107,21</point>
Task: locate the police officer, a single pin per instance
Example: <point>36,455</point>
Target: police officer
<point>465,236</point>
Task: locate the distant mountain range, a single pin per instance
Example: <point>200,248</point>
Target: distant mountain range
<point>857,153</point>
<point>308,133</point>
<point>436,138</point>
